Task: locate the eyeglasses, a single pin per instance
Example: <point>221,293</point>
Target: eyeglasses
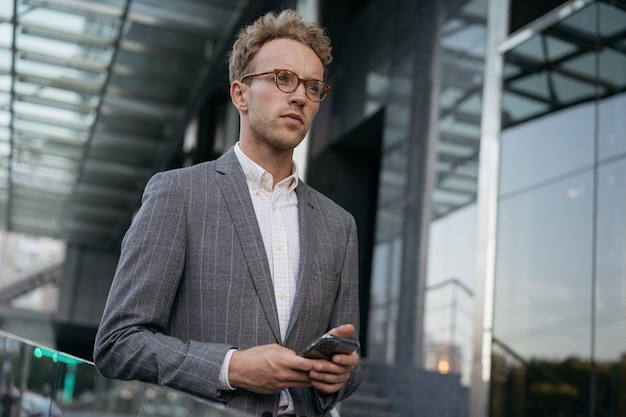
<point>288,82</point>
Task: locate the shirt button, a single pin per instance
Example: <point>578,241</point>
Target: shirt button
<point>281,295</point>
<point>279,248</point>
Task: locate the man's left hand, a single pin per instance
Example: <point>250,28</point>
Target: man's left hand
<point>330,376</point>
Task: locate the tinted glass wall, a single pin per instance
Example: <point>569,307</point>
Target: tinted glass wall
<point>419,64</point>
<point>559,329</point>
<point>384,64</point>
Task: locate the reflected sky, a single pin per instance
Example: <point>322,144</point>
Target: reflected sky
<point>544,269</point>
<point>547,148</point>
<point>449,305</point>
<point>611,262</point>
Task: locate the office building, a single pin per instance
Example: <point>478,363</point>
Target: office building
<point>480,144</point>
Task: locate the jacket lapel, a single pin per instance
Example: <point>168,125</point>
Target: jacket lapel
<point>307,212</point>
<point>233,185</point>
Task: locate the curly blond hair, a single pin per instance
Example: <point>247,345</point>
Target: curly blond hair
<point>288,24</point>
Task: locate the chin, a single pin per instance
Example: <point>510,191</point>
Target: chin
<point>288,146</point>
<point>288,143</point>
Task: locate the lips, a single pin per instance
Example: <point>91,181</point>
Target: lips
<point>294,116</point>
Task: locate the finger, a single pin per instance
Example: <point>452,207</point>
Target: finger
<point>325,388</point>
<point>299,363</point>
<point>329,378</point>
<point>328,388</point>
<point>346,360</point>
<point>344,371</point>
<point>339,363</point>
<point>345,330</point>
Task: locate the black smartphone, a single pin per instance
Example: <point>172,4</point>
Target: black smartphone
<point>328,345</point>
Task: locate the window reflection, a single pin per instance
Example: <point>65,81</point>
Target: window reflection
<point>612,126</point>
<point>610,307</point>
<point>449,295</point>
<point>547,148</point>
<point>543,270</point>
<point>542,318</point>
<point>559,346</point>
<point>384,300</point>
<point>578,60</point>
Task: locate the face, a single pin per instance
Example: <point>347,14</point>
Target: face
<point>269,116</point>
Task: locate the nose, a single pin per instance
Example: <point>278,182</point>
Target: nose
<point>298,96</point>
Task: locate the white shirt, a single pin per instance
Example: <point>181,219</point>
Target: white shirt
<point>276,210</point>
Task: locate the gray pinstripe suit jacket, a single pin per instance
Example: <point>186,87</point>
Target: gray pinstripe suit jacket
<point>193,281</point>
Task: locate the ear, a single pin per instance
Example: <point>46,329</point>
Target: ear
<point>238,95</point>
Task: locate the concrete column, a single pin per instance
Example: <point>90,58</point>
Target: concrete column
<point>426,19</point>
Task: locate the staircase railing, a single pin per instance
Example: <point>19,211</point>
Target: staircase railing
<point>29,282</point>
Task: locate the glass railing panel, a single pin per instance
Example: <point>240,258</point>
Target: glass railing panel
<point>39,381</point>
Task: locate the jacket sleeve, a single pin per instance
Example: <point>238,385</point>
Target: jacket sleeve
<point>132,340</point>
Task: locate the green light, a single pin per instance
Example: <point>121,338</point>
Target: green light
<point>40,351</point>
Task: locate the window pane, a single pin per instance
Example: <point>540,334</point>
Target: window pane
<point>546,148</point>
<point>610,319</point>
<point>542,320</point>
<point>612,127</point>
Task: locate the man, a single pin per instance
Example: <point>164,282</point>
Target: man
<point>232,267</point>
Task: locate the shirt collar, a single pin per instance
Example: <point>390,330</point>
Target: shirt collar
<point>258,178</point>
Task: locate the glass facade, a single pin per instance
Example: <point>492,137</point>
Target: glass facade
<point>420,64</point>
<point>414,71</point>
<point>559,339</point>
<point>439,64</point>
<point>450,279</point>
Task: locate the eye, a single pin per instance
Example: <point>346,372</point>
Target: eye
<point>314,88</point>
<point>284,78</point>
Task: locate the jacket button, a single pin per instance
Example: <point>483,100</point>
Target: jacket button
<point>266,414</point>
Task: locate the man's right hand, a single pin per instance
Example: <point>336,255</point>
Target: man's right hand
<point>268,369</point>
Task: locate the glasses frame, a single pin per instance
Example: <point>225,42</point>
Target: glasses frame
<point>300,81</point>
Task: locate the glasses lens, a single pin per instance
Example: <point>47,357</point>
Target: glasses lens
<point>287,81</point>
<point>316,90</point>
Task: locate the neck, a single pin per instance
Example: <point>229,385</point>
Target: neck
<point>278,162</point>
